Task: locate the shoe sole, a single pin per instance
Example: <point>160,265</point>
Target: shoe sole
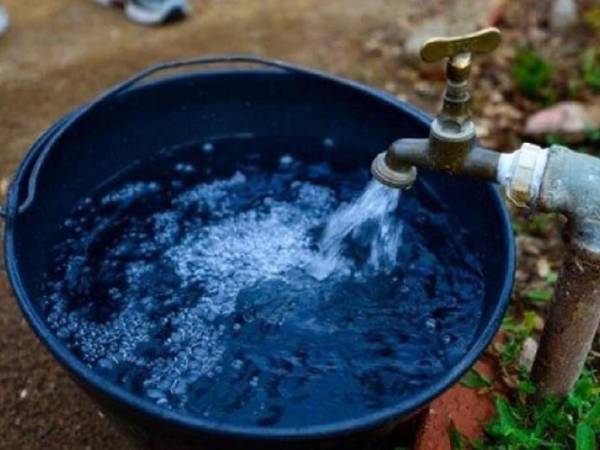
<point>172,11</point>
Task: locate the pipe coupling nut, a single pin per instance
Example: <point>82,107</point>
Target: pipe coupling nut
<point>521,173</point>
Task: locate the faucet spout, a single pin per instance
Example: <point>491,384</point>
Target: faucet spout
<point>399,172</point>
<point>397,167</point>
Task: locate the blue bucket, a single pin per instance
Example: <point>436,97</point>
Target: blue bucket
<point>139,118</point>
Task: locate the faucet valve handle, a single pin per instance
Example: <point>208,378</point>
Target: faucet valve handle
<point>453,131</point>
<point>483,41</point>
<point>459,50</point>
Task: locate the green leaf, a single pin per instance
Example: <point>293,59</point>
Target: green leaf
<point>475,380</point>
<point>551,278</point>
<point>533,74</point>
<point>510,351</point>
<point>555,139</point>
<point>505,414</point>
<point>585,437</point>
<point>456,439</point>
<point>529,320</point>
<point>539,295</point>
<point>526,387</point>
<point>592,418</point>
<point>593,134</point>
<point>478,444</point>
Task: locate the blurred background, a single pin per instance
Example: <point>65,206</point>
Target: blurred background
<point>543,84</point>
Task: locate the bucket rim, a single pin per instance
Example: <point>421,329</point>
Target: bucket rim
<point>120,395</point>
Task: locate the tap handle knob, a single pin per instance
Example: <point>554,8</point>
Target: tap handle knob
<point>453,130</point>
<point>483,41</point>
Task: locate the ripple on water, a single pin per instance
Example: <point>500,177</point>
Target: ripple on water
<point>261,297</point>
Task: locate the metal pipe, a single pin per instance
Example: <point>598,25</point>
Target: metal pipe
<point>568,182</point>
<point>571,186</point>
<point>571,324</point>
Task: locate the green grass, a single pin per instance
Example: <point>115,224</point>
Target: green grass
<point>542,295</point>
<point>520,423</point>
<point>533,75</point>
<point>538,224</point>
<point>571,423</point>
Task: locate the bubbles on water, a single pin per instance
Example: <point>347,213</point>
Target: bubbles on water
<point>252,297</point>
<point>184,168</point>
<point>130,193</point>
<point>285,162</point>
<point>328,143</point>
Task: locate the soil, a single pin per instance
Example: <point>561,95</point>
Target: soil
<point>59,54</point>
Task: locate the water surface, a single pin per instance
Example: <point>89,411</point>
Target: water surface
<point>223,292</point>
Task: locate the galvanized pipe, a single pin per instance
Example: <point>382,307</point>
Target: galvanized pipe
<point>571,324</point>
<point>568,182</point>
<point>571,186</point>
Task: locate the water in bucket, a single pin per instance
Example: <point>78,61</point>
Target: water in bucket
<point>276,293</point>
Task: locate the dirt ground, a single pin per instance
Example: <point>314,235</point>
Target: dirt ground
<point>59,54</point>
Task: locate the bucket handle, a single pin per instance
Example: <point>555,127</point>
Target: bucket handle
<point>36,161</point>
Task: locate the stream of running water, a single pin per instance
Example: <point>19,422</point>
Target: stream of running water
<point>371,219</point>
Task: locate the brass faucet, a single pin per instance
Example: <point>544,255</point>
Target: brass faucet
<point>451,146</point>
<point>552,180</point>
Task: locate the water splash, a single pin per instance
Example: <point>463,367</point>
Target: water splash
<point>370,221</point>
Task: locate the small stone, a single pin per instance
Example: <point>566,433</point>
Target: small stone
<point>23,394</point>
<point>527,356</point>
<point>390,86</point>
<point>569,120</point>
<point>4,186</point>
<point>538,323</point>
<point>563,14</point>
<point>543,267</point>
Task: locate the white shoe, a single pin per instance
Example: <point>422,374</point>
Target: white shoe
<point>110,2</point>
<point>155,12</point>
<point>4,20</point>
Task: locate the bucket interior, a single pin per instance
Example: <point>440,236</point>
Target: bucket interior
<point>345,124</point>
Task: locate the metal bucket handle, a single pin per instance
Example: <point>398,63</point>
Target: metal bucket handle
<point>36,160</point>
